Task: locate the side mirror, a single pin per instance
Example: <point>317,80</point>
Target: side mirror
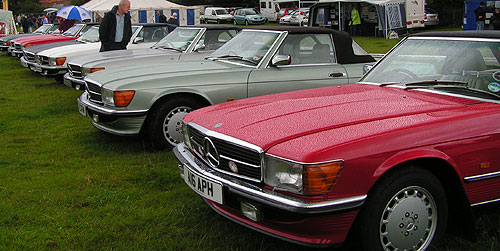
<point>199,47</point>
<point>138,40</point>
<point>366,68</point>
<point>281,60</point>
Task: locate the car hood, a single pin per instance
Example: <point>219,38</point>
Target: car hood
<point>41,47</point>
<point>110,56</point>
<point>72,49</point>
<point>269,120</point>
<point>154,75</point>
<point>255,16</point>
<point>42,39</point>
<point>153,59</point>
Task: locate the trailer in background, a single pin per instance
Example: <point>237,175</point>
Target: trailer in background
<point>415,14</point>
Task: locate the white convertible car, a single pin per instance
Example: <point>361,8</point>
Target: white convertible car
<point>52,62</point>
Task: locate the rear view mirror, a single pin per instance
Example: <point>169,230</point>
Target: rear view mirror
<point>281,60</point>
<point>138,40</point>
<point>199,47</point>
<point>366,68</point>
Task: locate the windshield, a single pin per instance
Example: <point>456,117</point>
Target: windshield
<point>43,29</point>
<point>249,45</point>
<point>91,36</point>
<point>476,63</point>
<point>250,12</point>
<point>179,39</point>
<point>221,12</point>
<point>71,32</point>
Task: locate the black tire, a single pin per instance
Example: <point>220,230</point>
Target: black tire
<point>393,216</point>
<point>166,117</point>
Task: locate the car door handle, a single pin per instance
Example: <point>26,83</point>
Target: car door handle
<point>336,75</point>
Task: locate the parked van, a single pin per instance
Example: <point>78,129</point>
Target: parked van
<point>216,15</point>
<point>415,14</point>
<point>270,9</point>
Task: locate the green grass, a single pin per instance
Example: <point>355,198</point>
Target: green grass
<point>66,185</point>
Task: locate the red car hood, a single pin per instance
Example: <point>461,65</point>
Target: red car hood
<point>42,39</point>
<point>268,120</point>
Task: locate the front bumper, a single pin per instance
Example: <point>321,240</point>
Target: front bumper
<point>263,21</point>
<point>75,83</point>
<point>48,70</point>
<point>118,122</point>
<point>309,223</point>
<point>4,47</point>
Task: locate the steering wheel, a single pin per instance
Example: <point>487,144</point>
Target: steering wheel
<point>406,73</point>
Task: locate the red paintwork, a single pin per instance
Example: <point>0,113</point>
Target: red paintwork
<point>45,39</point>
<point>371,128</point>
<point>322,230</point>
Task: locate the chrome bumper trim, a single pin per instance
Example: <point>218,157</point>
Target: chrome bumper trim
<point>264,196</point>
<point>84,101</point>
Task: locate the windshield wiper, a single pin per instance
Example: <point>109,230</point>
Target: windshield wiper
<point>168,48</point>
<point>462,87</point>
<point>426,83</point>
<point>229,57</point>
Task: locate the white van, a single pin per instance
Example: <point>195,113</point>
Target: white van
<point>415,14</point>
<point>270,9</point>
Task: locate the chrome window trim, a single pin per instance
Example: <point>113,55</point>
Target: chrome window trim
<point>485,202</point>
<point>481,177</point>
<point>467,39</point>
<point>196,39</point>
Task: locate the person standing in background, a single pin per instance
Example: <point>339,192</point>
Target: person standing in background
<point>355,21</point>
<point>115,30</point>
<point>495,19</point>
<point>173,19</point>
<point>161,18</point>
<point>480,16</point>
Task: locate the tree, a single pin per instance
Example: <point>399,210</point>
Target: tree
<point>25,6</point>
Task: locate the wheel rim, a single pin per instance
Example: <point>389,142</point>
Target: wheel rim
<point>172,124</point>
<point>246,22</point>
<point>409,220</point>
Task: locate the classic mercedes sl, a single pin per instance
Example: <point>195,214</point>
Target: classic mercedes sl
<point>44,29</point>
<point>53,61</point>
<point>154,97</point>
<point>19,44</point>
<point>390,162</point>
<point>194,42</point>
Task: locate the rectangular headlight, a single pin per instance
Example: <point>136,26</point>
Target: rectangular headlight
<point>283,175</point>
<point>108,97</point>
<point>307,179</point>
<point>187,135</point>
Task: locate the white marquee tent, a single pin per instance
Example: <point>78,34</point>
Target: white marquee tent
<point>7,25</point>
<point>144,10</point>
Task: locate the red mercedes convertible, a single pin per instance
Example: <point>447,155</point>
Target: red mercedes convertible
<point>391,162</point>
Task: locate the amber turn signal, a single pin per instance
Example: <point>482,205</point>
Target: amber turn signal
<point>319,179</point>
<point>28,45</point>
<point>123,98</point>
<point>96,69</point>
<point>60,61</point>
<point>8,42</point>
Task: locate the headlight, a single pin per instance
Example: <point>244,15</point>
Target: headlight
<point>117,98</point>
<point>57,61</point>
<point>307,179</point>
<point>87,71</point>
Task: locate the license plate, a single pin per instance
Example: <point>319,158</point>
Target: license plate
<point>67,82</point>
<point>24,64</point>
<point>13,53</point>
<point>415,21</point>
<point>206,188</point>
<point>433,17</point>
<point>38,69</point>
<point>82,109</point>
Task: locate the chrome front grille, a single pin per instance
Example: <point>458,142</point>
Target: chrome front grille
<point>247,161</point>
<point>29,56</point>
<point>75,71</point>
<point>42,60</point>
<point>94,92</point>
<point>18,46</point>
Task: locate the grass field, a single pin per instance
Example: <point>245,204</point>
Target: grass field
<point>66,185</point>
